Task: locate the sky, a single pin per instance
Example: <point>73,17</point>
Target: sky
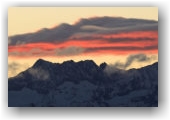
<point>115,35</point>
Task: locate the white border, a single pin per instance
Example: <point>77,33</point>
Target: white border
<point>161,113</point>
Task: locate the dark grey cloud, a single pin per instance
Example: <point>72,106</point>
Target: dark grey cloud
<point>110,22</point>
<point>113,30</point>
<point>57,34</point>
<point>85,27</point>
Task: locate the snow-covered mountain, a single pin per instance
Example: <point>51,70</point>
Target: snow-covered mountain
<point>83,84</point>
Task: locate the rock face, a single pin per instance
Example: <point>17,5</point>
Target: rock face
<point>83,84</point>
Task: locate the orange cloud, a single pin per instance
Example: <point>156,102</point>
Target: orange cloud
<point>121,43</point>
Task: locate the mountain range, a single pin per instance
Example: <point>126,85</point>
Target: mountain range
<point>83,84</point>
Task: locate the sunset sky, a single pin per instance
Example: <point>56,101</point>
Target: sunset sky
<point>103,34</point>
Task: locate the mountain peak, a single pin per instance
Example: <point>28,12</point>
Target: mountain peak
<point>40,62</point>
<point>103,65</point>
<point>69,61</point>
<point>87,62</point>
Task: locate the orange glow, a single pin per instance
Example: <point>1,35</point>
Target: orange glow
<point>93,46</point>
<point>80,43</point>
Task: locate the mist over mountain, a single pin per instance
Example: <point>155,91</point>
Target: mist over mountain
<point>83,83</point>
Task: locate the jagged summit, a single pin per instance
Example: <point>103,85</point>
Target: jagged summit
<point>68,61</point>
<point>103,65</point>
<point>41,62</point>
<point>87,62</point>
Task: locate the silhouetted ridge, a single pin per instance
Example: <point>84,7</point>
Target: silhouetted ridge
<point>103,65</point>
<point>76,72</point>
<point>87,63</point>
<point>68,62</point>
<point>155,64</point>
<point>86,83</point>
<point>41,63</point>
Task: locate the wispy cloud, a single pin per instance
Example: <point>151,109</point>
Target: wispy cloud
<point>39,74</point>
<point>140,58</point>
